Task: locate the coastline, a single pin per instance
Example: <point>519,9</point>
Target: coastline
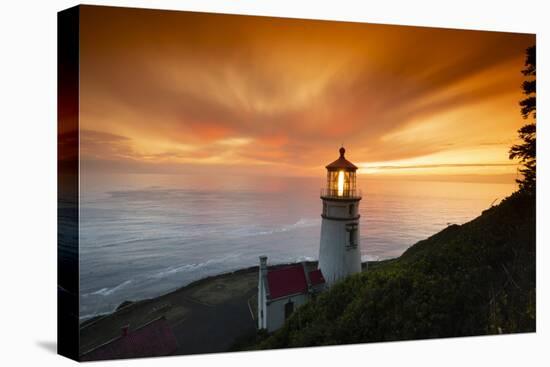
<point>194,312</point>
<point>86,319</point>
<point>217,313</point>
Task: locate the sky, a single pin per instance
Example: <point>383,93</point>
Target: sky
<point>192,93</point>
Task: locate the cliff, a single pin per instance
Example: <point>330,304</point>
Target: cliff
<point>474,279</point>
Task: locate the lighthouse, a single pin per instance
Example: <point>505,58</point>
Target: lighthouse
<point>339,250</point>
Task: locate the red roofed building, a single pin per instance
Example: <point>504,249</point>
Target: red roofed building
<point>153,339</point>
<point>282,290</point>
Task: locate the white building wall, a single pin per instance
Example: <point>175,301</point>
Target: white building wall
<point>261,307</point>
<point>276,310</point>
<point>338,258</point>
<point>262,293</point>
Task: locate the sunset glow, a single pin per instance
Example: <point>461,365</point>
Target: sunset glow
<point>176,92</point>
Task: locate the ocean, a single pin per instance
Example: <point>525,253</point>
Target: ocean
<point>145,235</point>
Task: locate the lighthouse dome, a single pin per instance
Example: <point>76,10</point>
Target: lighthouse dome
<point>341,163</point>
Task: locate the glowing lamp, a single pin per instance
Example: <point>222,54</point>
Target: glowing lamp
<point>341,180</point>
<point>340,183</point>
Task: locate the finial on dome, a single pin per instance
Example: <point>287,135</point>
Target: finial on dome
<point>342,152</point>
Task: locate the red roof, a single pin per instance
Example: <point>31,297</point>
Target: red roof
<point>316,277</point>
<point>151,340</point>
<point>341,163</point>
<point>292,280</point>
<point>286,281</point>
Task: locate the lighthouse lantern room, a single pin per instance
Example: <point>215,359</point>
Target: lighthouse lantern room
<point>339,250</point>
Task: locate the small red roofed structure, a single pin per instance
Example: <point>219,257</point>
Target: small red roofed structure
<point>282,290</point>
<point>153,339</point>
<point>316,277</point>
<point>287,281</point>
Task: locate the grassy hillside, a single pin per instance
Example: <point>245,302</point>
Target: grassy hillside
<point>473,279</point>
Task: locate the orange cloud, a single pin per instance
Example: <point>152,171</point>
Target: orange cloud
<point>192,89</point>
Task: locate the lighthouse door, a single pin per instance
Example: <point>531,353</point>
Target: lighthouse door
<point>289,309</point>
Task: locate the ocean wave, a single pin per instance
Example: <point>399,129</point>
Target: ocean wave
<point>108,291</point>
<point>178,269</point>
<point>82,318</point>
<point>191,267</point>
<point>371,258</point>
<point>302,223</point>
<point>255,231</point>
<point>128,241</point>
<point>170,271</point>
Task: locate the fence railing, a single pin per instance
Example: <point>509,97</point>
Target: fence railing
<point>344,194</point>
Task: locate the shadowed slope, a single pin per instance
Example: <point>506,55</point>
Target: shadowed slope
<point>473,279</point>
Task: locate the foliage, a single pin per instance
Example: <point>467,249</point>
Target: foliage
<point>473,279</point>
<point>527,150</point>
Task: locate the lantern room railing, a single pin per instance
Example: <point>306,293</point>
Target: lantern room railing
<point>341,194</point>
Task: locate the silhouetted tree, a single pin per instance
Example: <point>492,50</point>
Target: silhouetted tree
<point>527,150</point>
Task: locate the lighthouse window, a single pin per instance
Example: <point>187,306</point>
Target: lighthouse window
<point>351,209</point>
<point>353,237</point>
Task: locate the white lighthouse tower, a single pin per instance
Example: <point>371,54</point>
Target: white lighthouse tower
<point>339,250</point>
